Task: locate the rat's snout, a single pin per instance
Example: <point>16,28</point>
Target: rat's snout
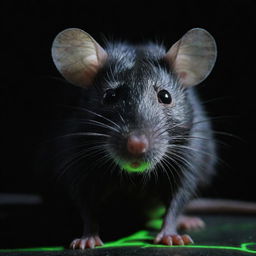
<point>137,144</point>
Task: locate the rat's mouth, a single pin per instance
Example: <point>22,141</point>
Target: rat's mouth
<point>135,166</point>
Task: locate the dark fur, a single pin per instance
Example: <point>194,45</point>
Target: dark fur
<point>94,180</point>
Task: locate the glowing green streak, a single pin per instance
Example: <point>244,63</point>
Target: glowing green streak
<point>36,249</point>
<point>144,235</point>
<point>157,212</point>
<point>155,218</point>
<point>138,239</point>
<point>143,167</point>
<point>155,224</point>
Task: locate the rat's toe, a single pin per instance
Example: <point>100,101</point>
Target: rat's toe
<point>187,239</point>
<point>75,243</point>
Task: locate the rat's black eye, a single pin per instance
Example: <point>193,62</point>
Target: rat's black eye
<point>110,96</point>
<point>164,97</point>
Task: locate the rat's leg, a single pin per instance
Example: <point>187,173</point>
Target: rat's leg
<point>90,237</point>
<point>168,234</point>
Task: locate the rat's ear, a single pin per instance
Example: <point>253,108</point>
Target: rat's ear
<point>77,56</point>
<point>193,56</point>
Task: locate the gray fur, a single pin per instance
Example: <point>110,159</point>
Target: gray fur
<point>138,72</point>
<point>182,149</point>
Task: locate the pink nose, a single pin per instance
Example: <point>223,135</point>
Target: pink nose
<point>137,144</point>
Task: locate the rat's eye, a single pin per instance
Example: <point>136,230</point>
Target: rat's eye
<point>164,97</point>
<point>110,96</point>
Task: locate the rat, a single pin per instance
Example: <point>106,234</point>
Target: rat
<point>143,136</point>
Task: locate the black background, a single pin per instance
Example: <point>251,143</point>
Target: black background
<point>29,97</point>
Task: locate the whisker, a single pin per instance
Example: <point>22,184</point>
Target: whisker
<point>170,153</point>
<point>78,157</point>
<point>215,118</point>
<point>94,113</point>
<point>84,134</point>
<point>202,152</point>
<point>228,134</point>
<point>179,164</point>
<point>215,99</point>
<point>175,146</point>
<point>82,175</point>
<point>77,146</point>
<point>167,174</point>
<point>191,138</point>
<point>91,121</point>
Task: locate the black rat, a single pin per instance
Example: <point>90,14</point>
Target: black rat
<point>144,136</point>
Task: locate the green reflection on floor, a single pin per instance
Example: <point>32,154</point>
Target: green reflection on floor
<point>139,239</point>
<point>36,249</point>
<point>143,239</point>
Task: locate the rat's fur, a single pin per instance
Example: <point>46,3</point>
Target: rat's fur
<point>182,149</point>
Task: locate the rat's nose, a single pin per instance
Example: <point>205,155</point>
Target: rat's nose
<point>137,144</point>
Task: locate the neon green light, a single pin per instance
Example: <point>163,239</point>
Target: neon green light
<point>143,167</point>
<point>154,224</point>
<point>144,240</point>
<point>157,213</point>
<point>36,249</point>
<point>155,217</point>
<point>138,239</point>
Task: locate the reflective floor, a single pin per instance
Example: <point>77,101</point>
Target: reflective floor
<point>224,235</point>
<point>25,230</point>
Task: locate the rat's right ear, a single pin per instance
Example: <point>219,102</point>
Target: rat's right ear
<point>193,56</point>
<point>77,56</point>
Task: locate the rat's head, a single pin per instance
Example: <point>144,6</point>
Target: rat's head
<point>140,92</point>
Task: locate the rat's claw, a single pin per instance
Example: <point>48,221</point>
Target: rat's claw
<point>74,244</point>
<point>91,242</point>
<point>82,244</point>
<point>187,239</point>
<point>98,241</point>
<point>173,239</point>
<point>86,242</point>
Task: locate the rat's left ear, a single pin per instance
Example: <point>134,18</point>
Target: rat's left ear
<point>193,56</point>
<point>77,56</point>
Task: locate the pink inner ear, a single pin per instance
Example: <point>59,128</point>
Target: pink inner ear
<point>77,56</point>
<point>89,73</point>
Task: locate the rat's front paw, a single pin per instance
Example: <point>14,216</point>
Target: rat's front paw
<point>86,242</point>
<point>172,239</point>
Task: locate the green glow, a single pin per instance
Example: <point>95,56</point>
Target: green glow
<point>138,239</point>
<point>157,213</point>
<point>156,218</point>
<point>36,249</point>
<point>143,239</point>
<point>143,167</point>
<point>155,224</point>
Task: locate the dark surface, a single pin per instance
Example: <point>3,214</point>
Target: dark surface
<point>228,231</point>
<point>26,223</point>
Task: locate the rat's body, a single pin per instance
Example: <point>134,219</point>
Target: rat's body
<point>143,132</point>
